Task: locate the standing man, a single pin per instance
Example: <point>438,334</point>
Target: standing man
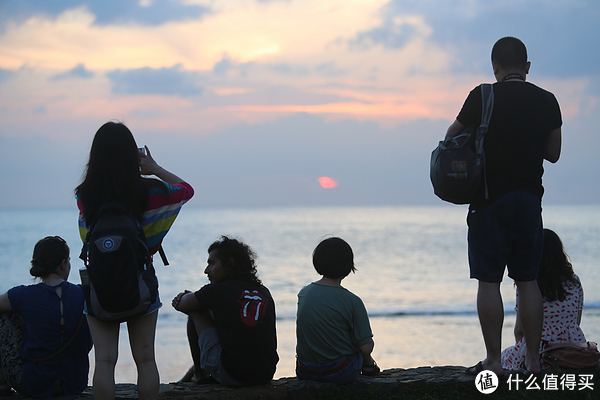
<point>231,324</point>
<point>505,229</point>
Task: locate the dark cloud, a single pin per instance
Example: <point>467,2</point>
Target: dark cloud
<point>469,29</point>
<point>41,110</point>
<point>163,81</point>
<point>79,71</point>
<point>107,12</point>
<point>329,69</point>
<point>391,35</point>
<point>226,64</point>
<point>289,69</point>
<point>5,74</point>
<point>222,66</point>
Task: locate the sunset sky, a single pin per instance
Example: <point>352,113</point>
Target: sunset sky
<point>253,101</point>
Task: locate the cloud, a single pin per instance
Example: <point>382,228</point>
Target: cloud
<point>79,71</point>
<point>228,64</point>
<point>5,74</point>
<point>468,30</point>
<point>40,110</point>
<point>393,34</point>
<point>171,81</point>
<point>330,69</point>
<point>106,12</point>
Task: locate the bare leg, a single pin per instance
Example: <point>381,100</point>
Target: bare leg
<point>202,319</point>
<point>106,349</point>
<point>491,318</point>
<point>531,312</point>
<point>142,331</point>
<point>192,337</point>
<point>369,366</point>
<point>198,321</point>
<point>194,347</point>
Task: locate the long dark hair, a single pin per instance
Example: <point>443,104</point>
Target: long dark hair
<point>112,173</point>
<point>238,258</point>
<point>48,254</point>
<point>554,269</point>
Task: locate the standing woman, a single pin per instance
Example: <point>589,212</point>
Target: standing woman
<point>114,174</point>
<point>44,337</point>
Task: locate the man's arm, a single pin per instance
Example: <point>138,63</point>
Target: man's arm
<point>553,145</point>
<point>186,302</point>
<point>5,303</point>
<point>454,127</point>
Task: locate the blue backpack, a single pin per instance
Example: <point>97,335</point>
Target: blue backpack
<point>122,281</point>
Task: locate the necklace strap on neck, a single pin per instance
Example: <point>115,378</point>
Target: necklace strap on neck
<point>513,76</point>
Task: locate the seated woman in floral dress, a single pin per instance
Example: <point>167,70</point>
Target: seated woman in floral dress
<point>563,303</point>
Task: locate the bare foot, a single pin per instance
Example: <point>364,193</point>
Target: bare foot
<point>189,375</point>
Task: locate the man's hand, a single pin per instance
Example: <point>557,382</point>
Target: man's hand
<point>177,300</point>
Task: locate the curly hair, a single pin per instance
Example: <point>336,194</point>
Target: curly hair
<point>238,258</point>
<point>555,269</point>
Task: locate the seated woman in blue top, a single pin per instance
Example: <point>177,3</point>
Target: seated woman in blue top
<point>44,337</point>
<point>334,339</point>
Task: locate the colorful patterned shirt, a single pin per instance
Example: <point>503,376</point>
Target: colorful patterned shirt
<point>159,215</point>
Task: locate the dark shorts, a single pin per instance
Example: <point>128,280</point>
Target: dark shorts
<point>153,307</point>
<point>341,371</point>
<point>210,357</point>
<point>507,233</point>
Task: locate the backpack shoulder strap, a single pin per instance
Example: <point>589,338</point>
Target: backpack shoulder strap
<point>487,106</point>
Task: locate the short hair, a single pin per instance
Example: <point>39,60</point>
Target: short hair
<point>333,258</point>
<point>48,254</point>
<point>238,258</point>
<point>510,53</point>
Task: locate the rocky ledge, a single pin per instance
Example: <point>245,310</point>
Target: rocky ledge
<point>393,382</point>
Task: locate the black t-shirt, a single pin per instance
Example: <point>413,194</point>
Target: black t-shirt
<point>514,145</point>
<point>245,319</point>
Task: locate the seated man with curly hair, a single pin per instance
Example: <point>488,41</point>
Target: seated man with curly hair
<point>231,324</point>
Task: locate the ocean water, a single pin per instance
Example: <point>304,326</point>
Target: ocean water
<point>412,273</point>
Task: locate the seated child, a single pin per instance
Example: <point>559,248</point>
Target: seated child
<point>334,339</point>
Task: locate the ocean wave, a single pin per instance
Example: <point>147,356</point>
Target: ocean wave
<point>430,312</point>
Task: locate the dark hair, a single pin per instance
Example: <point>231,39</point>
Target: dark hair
<point>510,53</point>
<point>238,258</point>
<point>554,269</point>
<point>48,254</point>
<point>113,173</point>
<point>333,258</point>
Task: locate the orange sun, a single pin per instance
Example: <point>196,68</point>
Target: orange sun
<point>327,183</point>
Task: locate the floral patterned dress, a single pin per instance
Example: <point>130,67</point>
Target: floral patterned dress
<point>560,325</point>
